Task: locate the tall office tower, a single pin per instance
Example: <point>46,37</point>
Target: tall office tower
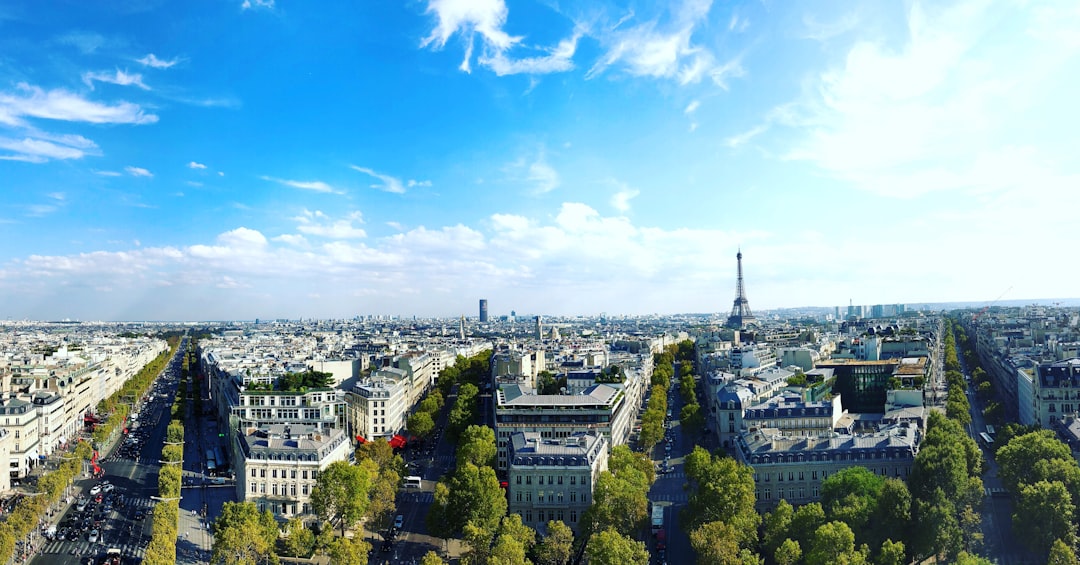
<point>483,311</point>
<point>539,329</point>
<point>461,328</point>
<point>741,316</point>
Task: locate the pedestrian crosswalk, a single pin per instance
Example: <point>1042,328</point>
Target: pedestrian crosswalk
<point>676,497</point>
<point>418,497</point>
<point>132,544</point>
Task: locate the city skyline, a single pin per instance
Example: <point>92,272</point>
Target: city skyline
<point>261,159</point>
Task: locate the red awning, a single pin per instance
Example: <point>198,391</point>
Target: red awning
<point>360,439</point>
<point>398,441</point>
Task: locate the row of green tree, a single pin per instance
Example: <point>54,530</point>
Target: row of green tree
<point>619,509</point>
<point>114,409</point>
<point>993,411</point>
<point>292,382</point>
<point>652,421</point>
<point>165,519</point>
<point>691,417</point>
<point>422,421</point>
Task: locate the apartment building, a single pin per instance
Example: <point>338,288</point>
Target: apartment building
<point>1057,391</point>
<point>792,468</point>
<point>20,420</point>
<point>601,409</point>
<point>378,406</point>
<point>279,464</point>
<point>553,479</point>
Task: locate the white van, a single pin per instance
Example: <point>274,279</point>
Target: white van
<point>413,482</point>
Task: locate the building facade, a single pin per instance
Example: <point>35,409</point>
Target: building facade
<point>553,479</point>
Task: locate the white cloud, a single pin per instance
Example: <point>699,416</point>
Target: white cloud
<point>387,182</point>
<point>194,165</point>
<point>666,49</point>
<point>622,197</point>
<point>294,240</point>
<point>421,183</point>
<point>483,20</point>
<point>151,60</point>
<point>692,107</point>
<point>318,224</point>
<point>559,60</point>
<point>541,175</point>
<point>249,4</point>
<point>952,107</point>
<point>86,42</point>
<point>138,172</point>
<point>36,150</point>
<point>313,185</point>
<point>740,139</point>
<point>122,78</point>
<point>59,104</point>
<point>108,173</point>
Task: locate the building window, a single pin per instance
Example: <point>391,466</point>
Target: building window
<point>560,479</point>
<point>252,488</point>
<point>262,488</point>
<point>541,479</point>
<point>253,473</point>
<point>294,473</point>
<point>528,480</point>
<point>518,479</point>
<point>262,473</point>
<point>573,479</point>
<point>292,489</point>
<point>304,490</point>
<point>573,496</point>
<point>573,516</point>
<point>273,473</point>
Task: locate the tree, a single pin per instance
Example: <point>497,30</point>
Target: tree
<point>242,535</point>
<point>851,496</point>
<point>965,558</point>
<point>380,452</point>
<point>623,459</point>
<point>833,542</point>
<point>556,546</point>
<point>476,445</point>
<point>507,551</point>
<point>805,521</point>
<point>776,527</point>
<point>788,553</point>
<point>383,505</point>
<point>618,504</point>
<point>937,528</point>
<point>891,553</point>
<point>1022,452</point>
<point>1044,513</point>
<point>612,548</point>
<point>432,558</point>
<point>512,526</point>
<point>345,551</point>
<point>1062,553</point>
<point>341,494</point>
<point>722,490</point>
<point>692,418</point>
<point>892,513</point>
<point>715,543</point>
<point>420,424</point>
<point>299,540</point>
<point>470,494</point>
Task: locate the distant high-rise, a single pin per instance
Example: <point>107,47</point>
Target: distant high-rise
<point>741,316</point>
<point>539,329</point>
<point>483,311</point>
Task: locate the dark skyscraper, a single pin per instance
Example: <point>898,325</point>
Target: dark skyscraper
<point>741,316</point>
<point>483,310</point>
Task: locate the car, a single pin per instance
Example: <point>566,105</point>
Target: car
<point>107,487</point>
<point>399,521</point>
<point>93,537</point>
<point>94,490</point>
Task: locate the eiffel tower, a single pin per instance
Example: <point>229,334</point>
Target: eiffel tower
<point>741,316</point>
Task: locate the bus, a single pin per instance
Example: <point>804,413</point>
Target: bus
<point>413,482</point>
<point>211,461</point>
<point>986,439</point>
<point>990,431</point>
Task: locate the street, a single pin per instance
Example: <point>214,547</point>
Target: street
<point>135,482</point>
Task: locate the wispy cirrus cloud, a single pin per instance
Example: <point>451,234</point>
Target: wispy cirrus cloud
<point>483,21</point>
<point>138,172</point>
<point>665,48</point>
<point>151,60</point>
<point>122,78</point>
<point>312,185</point>
<point>40,147</point>
<point>387,183</point>
<point>60,104</point>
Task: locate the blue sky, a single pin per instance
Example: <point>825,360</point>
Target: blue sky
<point>269,158</point>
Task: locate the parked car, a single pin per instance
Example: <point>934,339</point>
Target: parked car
<point>399,521</point>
